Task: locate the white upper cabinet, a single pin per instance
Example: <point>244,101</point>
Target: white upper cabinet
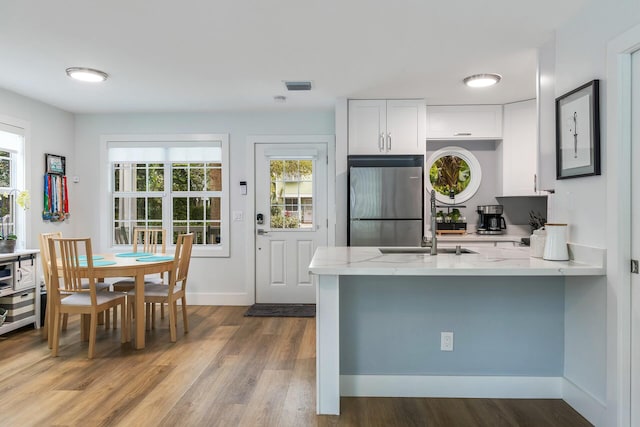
<point>519,148</point>
<point>464,122</point>
<point>395,126</point>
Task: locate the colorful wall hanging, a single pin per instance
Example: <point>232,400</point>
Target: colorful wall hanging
<point>56,194</point>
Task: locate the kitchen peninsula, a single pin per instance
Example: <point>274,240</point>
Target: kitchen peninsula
<point>379,318</point>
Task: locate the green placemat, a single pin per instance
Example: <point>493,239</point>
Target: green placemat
<point>134,254</point>
<point>155,258</point>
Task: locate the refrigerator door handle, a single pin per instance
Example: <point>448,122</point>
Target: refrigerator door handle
<point>389,141</point>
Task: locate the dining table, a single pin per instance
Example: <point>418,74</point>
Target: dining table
<point>136,265</point>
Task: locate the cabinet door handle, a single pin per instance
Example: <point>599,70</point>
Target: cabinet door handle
<point>389,141</point>
<point>462,134</point>
<point>381,142</point>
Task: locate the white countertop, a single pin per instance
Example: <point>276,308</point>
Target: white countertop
<point>489,261</point>
<point>19,252</point>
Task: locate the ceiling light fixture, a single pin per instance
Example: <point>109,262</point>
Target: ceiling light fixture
<point>87,74</point>
<point>482,80</point>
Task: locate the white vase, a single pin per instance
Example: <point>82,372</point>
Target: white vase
<point>536,243</point>
<point>555,247</point>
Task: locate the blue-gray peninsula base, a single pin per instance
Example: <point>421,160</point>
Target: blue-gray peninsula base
<point>379,319</point>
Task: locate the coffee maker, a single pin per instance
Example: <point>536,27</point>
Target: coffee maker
<point>490,219</point>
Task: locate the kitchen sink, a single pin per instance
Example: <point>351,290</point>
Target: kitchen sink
<point>421,250</point>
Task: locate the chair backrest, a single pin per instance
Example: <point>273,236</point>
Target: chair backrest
<point>153,240</point>
<point>44,255</point>
<point>181,260</point>
<point>68,258</point>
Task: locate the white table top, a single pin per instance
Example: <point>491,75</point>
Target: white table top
<point>489,261</point>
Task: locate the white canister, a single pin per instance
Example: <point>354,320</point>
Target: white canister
<point>536,243</point>
<point>555,247</point>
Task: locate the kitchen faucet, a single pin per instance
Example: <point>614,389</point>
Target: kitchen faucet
<point>433,243</point>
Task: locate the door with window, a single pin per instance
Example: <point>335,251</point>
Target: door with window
<point>291,219</point>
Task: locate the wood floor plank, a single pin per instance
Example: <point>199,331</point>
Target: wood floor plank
<point>229,370</point>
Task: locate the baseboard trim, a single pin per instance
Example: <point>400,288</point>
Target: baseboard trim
<point>219,298</point>
<point>451,386</point>
<point>590,407</point>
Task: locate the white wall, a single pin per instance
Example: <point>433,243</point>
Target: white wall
<point>211,280</point>
<point>51,130</point>
<point>581,56</point>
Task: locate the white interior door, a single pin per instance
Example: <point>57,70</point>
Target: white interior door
<point>635,238</point>
<point>291,219</point>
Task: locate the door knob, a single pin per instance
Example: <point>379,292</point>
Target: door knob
<point>262,232</point>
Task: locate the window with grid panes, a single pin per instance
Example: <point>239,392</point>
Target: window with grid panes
<point>180,187</point>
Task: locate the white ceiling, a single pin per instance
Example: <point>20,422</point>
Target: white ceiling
<point>197,55</point>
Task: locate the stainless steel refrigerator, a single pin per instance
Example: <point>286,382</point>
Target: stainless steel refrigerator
<point>386,200</point>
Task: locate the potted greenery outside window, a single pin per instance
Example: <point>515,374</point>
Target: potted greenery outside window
<point>8,237</point>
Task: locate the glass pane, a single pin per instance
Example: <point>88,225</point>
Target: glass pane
<point>180,179</point>
<point>141,208</point>
<point>291,171</point>
<point>213,232</point>
<point>117,184</point>
<point>5,154</point>
<point>179,227</point>
<point>291,189</point>
<point>196,208</point>
<point>197,178</point>
<point>213,210</point>
<point>214,179</point>
<point>276,170</point>
<point>156,179</point>
<point>155,208</point>
<point>5,173</point>
<point>141,179</point>
<point>180,208</point>
<point>306,170</point>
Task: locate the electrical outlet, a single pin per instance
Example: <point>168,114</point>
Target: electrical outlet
<point>446,341</point>
<point>238,216</point>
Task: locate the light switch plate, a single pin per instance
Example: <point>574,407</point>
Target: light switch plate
<point>446,341</point>
<point>238,216</point>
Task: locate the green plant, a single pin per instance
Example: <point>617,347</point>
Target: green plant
<point>536,220</point>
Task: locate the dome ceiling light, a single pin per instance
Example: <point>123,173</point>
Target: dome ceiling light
<point>87,74</point>
<point>482,80</point>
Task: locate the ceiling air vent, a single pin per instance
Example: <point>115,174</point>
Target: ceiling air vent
<point>298,85</point>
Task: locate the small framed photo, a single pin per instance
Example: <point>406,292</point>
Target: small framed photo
<point>578,132</point>
<point>55,164</point>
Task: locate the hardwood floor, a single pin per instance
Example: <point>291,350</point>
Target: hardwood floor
<point>229,370</point>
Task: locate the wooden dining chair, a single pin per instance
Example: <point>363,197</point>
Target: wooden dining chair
<point>77,292</point>
<point>176,288</point>
<point>149,240</point>
<point>46,273</point>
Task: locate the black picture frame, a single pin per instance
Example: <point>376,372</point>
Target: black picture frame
<point>55,164</point>
<point>578,132</point>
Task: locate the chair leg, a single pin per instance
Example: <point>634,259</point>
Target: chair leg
<point>115,317</point>
<point>147,311</point>
<point>162,311</point>
<point>152,306</point>
<point>172,320</point>
<point>123,324</point>
<point>55,333</point>
<point>105,316</point>
<point>65,320</point>
<point>45,329</point>
<point>185,319</point>
<point>92,334</point>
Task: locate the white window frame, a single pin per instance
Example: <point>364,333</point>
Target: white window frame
<point>19,176</point>
<point>172,141</point>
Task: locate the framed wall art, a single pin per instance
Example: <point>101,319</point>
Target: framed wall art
<point>55,164</point>
<point>578,132</point>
